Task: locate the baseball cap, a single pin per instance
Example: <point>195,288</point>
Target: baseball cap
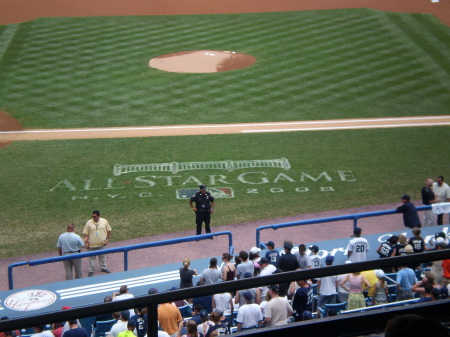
<point>202,187</point>
<point>275,288</point>
<point>132,322</point>
<point>270,243</point>
<point>357,230</point>
<point>263,260</point>
<point>125,314</point>
<point>66,307</point>
<point>152,291</point>
<point>314,248</point>
<point>288,245</point>
<point>203,313</point>
<point>440,239</point>
<point>380,273</point>
<point>255,250</point>
<point>247,295</point>
<point>405,196</point>
<point>329,259</point>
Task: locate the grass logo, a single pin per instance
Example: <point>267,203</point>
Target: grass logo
<point>217,192</point>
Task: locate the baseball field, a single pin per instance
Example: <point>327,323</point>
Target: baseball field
<point>93,72</point>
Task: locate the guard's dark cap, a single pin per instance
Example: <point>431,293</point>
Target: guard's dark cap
<point>202,187</point>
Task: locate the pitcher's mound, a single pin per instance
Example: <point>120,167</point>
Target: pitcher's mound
<point>8,123</point>
<point>202,61</point>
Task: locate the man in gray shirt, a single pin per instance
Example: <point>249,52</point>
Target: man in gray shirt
<point>211,275</point>
<point>245,266</point>
<point>303,258</point>
<point>70,243</point>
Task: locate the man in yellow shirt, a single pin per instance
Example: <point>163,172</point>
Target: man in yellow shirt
<point>97,233</point>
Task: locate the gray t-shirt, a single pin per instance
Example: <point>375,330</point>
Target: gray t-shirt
<point>211,276</point>
<point>245,267</point>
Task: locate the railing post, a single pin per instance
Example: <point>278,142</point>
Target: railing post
<point>152,320</point>
<point>125,260</point>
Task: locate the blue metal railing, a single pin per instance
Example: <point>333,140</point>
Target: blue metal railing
<point>123,250</point>
<point>353,217</point>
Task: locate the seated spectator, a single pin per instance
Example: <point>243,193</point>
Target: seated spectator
<point>400,247</point>
<point>191,329</point>
<point>249,315</point>
<point>206,323</point>
<point>387,249</point>
<point>39,331</point>
<point>427,278</point>
<point>57,329</point>
<point>436,266</point>
<point>186,274</point>
<point>218,325</point>
<point>228,269</point>
<point>428,287</point>
<point>245,266</point>
<point>75,330</point>
<point>103,317</point>
<point>254,257</point>
<point>196,314</point>
<point>416,241</point>
<point>256,293</point>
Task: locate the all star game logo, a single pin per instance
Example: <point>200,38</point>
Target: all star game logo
<point>217,192</point>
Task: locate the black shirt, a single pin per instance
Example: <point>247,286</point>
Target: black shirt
<point>202,201</point>
<point>288,262</point>
<point>427,195</point>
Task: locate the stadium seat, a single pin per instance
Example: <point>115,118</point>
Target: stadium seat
<point>338,307</point>
<point>186,311</point>
<point>102,328</point>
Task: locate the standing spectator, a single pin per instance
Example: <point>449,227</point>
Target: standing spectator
<point>211,275</point>
<point>387,249</point>
<point>169,318</point>
<point>123,294</point>
<point>417,241</point>
<point>355,297</point>
<point>75,330</point>
<point>316,260</point>
<point>245,266</point>
<point>272,254</point>
<point>57,329</point>
<point>204,207</point>
<point>218,325</point>
<point>191,327</point>
<point>105,316</point>
<point>400,247</point>
<point>266,269</point>
<point>372,278</point>
<point>446,273</point>
<point>205,301</point>
<point>186,274</point>
<point>288,261</point>
<point>327,287</point>
<point>278,310</point>
<point>131,328</point>
<point>302,299</point>
<point>206,323</point>
<point>223,302</point>
<point>380,289</point>
<point>229,269</point>
<point>342,292</point>
<point>357,247</point>
<point>97,234</point>
<point>249,315</point>
<point>121,324</point>
<point>406,278</point>
<point>410,216</point>
<point>428,198</point>
<point>303,259</point>
<point>256,293</point>
<point>140,321</point>
<point>254,257</point>
<point>442,192</point>
<point>436,267</point>
<point>70,243</point>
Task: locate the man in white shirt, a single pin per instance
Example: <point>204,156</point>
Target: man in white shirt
<point>327,287</point>
<point>249,315</point>
<point>266,269</point>
<point>121,325</point>
<point>442,193</point>
<point>123,294</point>
<point>358,247</point>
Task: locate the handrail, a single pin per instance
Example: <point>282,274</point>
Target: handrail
<point>151,301</point>
<point>124,250</point>
<point>353,217</point>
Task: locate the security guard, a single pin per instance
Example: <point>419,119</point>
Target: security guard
<point>204,206</point>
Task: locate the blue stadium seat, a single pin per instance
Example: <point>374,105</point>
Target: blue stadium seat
<point>102,328</point>
<point>393,276</point>
<point>186,311</point>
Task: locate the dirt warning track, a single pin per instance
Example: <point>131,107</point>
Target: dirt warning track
<point>184,130</point>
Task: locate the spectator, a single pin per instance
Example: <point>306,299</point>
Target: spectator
<point>406,278</point>
<point>123,294</point>
<point>152,291</point>
<point>326,287</point>
<point>446,273</point>
<point>316,260</point>
<point>57,329</point>
<point>106,316</point>
<point>355,298</point>
<point>205,301</point>
<point>417,241</point>
<point>229,269</point>
<point>303,259</point>
<point>264,302</point>
<point>428,287</point>
<point>206,323</point>
<point>211,275</point>
<point>436,267</point>
<point>380,289</point>
<point>140,321</point>
<point>70,243</point>
<point>254,257</point>
<point>357,247</point>
<point>223,302</point>
<point>191,326</point>
<point>256,294</point>
<point>14,333</point>
<point>97,233</point>
<point>249,315</point>
<point>121,324</point>
<point>342,292</point>
<point>387,249</point>
<point>400,247</point>
<point>266,269</point>
<point>219,326</point>
<point>437,294</point>
<point>75,330</point>
<point>427,278</point>
<point>428,198</point>
<point>272,254</point>
<point>130,331</point>
<point>372,278</point>
<point>410,216</point>
<point>302,299</point>
<point>186,274</point>
<point>245,265</point>
<point>442,193</point>
<point>278,309</point>
<point>288,261</point>
<point>39,331</point>
<point>196,314</point>
<point>169,318</point>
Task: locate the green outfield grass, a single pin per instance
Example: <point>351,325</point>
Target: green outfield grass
<point>90,72</point>
<point>47,184</point>
<point>78,72</point>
